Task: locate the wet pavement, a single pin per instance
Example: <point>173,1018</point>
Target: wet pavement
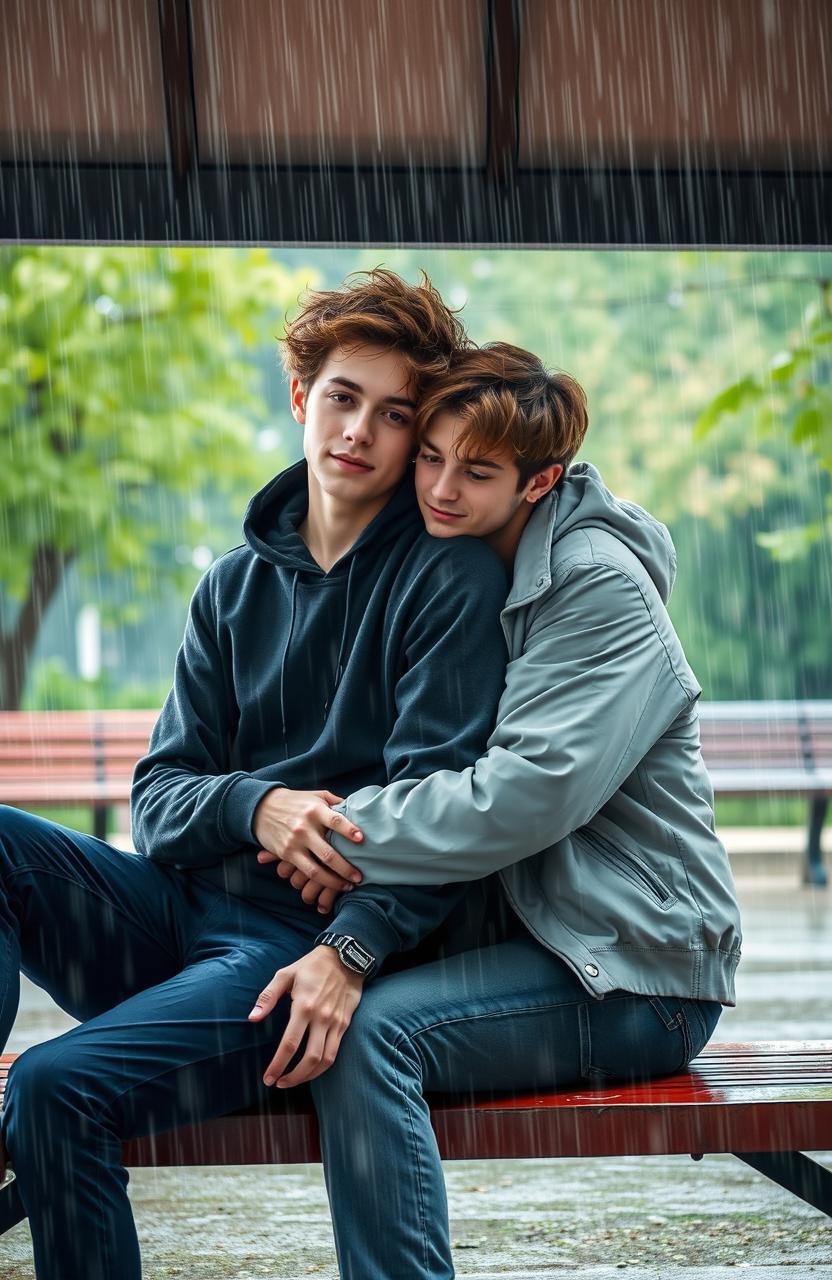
<point>657,1218</point>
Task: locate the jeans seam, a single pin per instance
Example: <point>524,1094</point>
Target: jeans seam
<point>585,1041</point>
<point>491,1013</point>
<point>102,1213</point>
<point>417,1161</point>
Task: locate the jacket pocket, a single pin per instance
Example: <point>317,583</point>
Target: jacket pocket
<point>627,863</point>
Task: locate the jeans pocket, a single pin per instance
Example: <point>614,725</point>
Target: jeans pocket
<point>633,1037</point>
<point>701,1017</point>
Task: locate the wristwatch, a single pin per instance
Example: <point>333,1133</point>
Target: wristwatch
<point>353,956</point>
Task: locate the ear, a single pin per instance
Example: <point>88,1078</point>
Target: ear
<point>297,400</point>
<point>543,482</point>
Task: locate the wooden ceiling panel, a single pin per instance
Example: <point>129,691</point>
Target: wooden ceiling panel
<point>81,80</point>
<point>676,82</point>
<point>340,81</point>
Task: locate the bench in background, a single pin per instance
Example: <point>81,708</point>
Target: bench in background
<point>71,757</point>
<point>87,757</point>
<point>773,747</point>
<point>765,1103</point>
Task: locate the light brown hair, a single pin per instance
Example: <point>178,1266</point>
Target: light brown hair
<point>375,308</point>
<point>507,399</point>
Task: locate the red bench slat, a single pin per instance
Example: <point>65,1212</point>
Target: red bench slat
<point>735,1097</point>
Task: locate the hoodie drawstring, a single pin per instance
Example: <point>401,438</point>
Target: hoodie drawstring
<point>339,665</point>
<point>283,661</point>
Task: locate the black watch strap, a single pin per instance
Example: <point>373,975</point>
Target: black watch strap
<point>353,955</point>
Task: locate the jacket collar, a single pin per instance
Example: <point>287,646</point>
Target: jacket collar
<point>533,562</point>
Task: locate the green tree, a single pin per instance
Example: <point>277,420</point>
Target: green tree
<point>122,387</point>
<point>788,396</point>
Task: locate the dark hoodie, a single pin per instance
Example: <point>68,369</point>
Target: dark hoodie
<point>388,666</point>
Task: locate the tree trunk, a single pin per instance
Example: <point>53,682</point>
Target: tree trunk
<point>16,646</point>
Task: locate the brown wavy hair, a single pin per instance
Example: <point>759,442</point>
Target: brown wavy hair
<point>507,399</point>
<point>376,308</point>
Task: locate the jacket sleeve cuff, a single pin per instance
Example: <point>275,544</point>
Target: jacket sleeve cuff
<point>236,813</point>
<point>367,925</point>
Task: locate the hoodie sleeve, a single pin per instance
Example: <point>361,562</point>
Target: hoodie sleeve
<point>593,689</point>
<point>187,805</point>
<point>446,702</point>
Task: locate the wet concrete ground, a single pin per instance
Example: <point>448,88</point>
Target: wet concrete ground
<point>659,1218</point>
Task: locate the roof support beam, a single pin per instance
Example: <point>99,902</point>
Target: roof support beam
<point>503,90</point>
<point>177,70</point>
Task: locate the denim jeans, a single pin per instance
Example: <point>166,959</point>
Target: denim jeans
<point>507,1016</point>
<point>162,973</point>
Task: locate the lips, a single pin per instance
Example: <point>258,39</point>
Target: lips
<point>444,515</point>
<point>351,463</point>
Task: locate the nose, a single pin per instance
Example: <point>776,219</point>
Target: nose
<point>359,427</point>
<point>444,488</point>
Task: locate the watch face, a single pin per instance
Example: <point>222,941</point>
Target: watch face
<point>356,956</point>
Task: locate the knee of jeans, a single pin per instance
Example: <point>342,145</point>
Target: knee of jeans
<point>373,1040</point>
<point>41,1093</point>
<point>34,1082</point>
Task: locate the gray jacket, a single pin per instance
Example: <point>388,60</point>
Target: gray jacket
<point>592,800</point>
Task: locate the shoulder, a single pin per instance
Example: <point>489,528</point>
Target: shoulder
<point>225,577</point>
<point>592,549</point>
<point>461,554</point>
<point>465,564</point>
<point>600,587</point>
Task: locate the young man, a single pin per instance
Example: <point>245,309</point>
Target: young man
<point>617,931</point>
<point>331,645</point>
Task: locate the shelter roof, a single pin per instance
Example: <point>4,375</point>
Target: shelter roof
<point>417,121</point>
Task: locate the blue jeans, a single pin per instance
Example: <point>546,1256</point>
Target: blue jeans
<point>162,973</point>
<point>508,1016</point>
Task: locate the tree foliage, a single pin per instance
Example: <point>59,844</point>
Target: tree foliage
<point>788,396</point>
<point>122,385</point>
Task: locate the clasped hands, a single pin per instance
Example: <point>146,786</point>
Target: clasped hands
<point>291,827</point>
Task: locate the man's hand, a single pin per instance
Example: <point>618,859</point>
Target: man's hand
<point>325,995</point>
<point>291,827</point>
<point>308,890</point>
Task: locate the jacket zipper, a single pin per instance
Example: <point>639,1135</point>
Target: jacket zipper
<point>626,865</point>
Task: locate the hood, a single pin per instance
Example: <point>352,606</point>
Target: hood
<point>274,514</point>
<point>584,502</point>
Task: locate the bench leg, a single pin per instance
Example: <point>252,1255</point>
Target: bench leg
<point>11,1207</point>
<point>795,1172</point>
<point>99,823</point>
<point>815,872</point>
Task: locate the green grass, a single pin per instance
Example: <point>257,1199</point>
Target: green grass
<point>762,811</point>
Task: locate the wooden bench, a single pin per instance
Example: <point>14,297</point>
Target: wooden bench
<point>71,757</point>
<point>87,757</point>
<point>775,747</point>
<point>764,1103</point>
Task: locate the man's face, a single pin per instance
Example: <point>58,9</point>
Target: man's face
<point>476,495</point>
<point>358,424</point>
